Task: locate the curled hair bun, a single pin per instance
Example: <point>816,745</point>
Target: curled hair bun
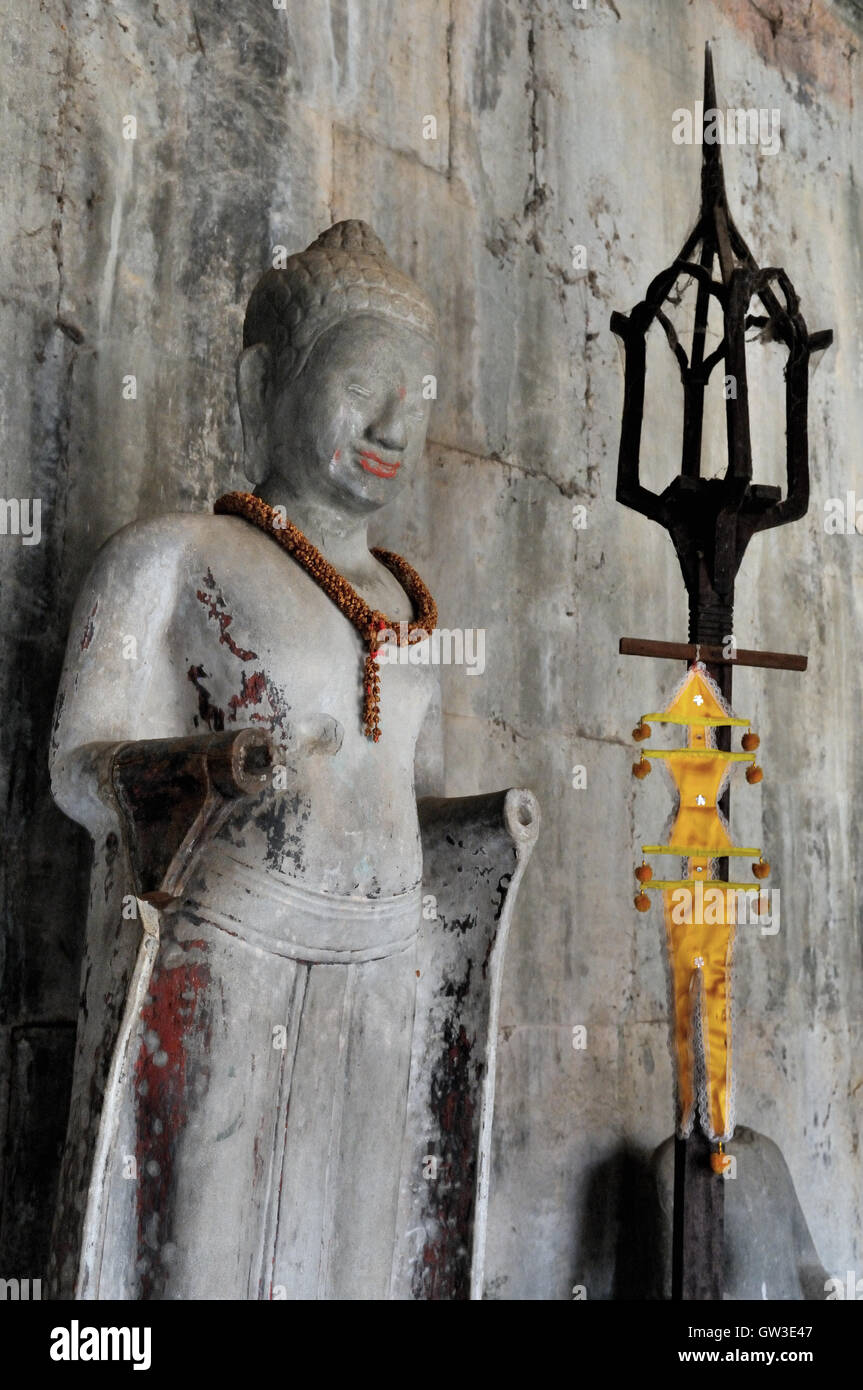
<point>345,271</point>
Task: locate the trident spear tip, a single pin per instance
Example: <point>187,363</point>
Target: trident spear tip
<point>712,175</point>
<point>709,82</point>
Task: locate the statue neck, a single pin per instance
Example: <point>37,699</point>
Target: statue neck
<point>342,539</point>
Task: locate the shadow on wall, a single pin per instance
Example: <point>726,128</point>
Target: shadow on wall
<point>621,1229</point>
<point>40,1060</point>
<point>43,901</point>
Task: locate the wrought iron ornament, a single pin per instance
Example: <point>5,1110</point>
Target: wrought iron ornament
<point>711,520</point>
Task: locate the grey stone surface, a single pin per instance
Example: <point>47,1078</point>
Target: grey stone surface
<point>769,1252</point>
<point>259,127</point>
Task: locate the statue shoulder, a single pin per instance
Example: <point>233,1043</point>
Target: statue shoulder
<point>138,572</point>
<point>162,541</point>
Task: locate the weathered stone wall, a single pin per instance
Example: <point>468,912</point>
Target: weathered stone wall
<point>257,127</point>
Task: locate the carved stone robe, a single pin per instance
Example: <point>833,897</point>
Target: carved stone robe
<point>262,1068</point>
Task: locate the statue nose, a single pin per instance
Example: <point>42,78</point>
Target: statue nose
<point>388,429</point>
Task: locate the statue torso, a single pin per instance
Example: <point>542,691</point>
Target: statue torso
<point>231,632</point>
<point>254,641</point>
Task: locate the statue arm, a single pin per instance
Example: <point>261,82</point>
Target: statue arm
<point>117,684</point>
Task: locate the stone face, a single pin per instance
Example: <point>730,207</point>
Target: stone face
<point>257,129</point>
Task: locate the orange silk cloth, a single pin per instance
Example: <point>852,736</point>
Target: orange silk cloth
<point>700,912</point>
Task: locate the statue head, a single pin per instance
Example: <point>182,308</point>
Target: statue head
<point>338,349</point>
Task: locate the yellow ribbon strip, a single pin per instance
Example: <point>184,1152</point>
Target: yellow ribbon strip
<point>701,721</point>
<point>715,753</point>
<point>705,883</point>
<point>686,851</point>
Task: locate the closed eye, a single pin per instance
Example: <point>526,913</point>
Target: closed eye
<point>360,391</point>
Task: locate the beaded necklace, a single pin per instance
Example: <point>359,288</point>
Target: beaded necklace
<point>369,622</point>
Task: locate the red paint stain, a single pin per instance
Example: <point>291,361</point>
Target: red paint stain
<point>177,1014</point>
<point>89,628</point>
<point>253,688</point>
<point>445,1270</point>
<point>217,609</point>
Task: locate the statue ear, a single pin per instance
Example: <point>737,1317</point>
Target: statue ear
<point>253,371</point>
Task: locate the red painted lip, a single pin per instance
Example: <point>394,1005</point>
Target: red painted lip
<point>372,463</point>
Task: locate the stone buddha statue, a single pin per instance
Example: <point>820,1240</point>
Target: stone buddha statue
<point>248,1045</point>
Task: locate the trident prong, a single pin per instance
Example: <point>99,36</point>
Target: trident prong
<point>711,520</point>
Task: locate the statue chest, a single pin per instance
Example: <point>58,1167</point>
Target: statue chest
<point>254,641</point>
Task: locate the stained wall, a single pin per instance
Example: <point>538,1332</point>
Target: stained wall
<point>257,126</point>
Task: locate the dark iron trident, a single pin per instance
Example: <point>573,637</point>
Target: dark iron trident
<point>711,521</point>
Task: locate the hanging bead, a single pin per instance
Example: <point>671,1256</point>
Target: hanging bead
<point>642,902</point>
<point>750,742</point>
<point>641,769</point>
<point>641,731</point>
<point>754,774</point>
<point>644,873</point>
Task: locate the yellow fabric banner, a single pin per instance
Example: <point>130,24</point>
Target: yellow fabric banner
<point>700,911</point>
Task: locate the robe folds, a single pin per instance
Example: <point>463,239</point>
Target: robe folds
<point>266,1086</point>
